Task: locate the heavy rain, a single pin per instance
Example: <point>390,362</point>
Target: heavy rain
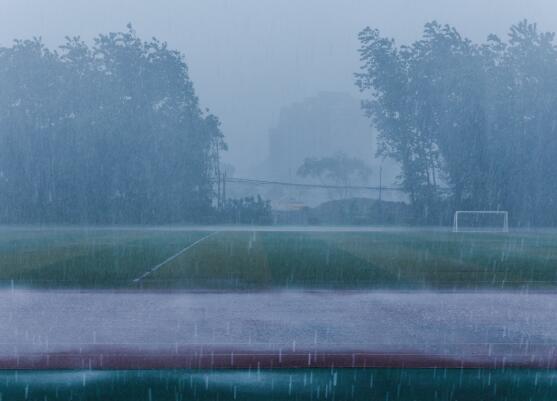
<point>271,200</point>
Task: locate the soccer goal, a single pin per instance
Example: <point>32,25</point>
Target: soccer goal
<point>481,221</point>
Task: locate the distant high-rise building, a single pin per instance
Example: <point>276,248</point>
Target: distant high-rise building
<point>322,126</point>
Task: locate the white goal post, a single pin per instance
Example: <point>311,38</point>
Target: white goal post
<point>481,221</point>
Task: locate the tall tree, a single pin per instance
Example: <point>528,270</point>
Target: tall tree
<point>475,117</point>
<point>106,133</point>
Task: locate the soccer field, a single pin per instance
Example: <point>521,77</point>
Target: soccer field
<point>229,259</point>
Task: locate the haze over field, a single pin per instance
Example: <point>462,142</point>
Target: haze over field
<point>250,58</point>
<point>278,199</point>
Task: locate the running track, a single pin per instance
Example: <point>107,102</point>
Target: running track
<point>132,330</point>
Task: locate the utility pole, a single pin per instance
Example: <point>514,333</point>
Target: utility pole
<point>223,188</point>
<point>379,206</point>
<point>219,203</point>
<point>380,183</point>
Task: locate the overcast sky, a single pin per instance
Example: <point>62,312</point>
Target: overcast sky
<point>248,58</point>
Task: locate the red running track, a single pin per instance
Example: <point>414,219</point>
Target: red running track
<point>294,329</point>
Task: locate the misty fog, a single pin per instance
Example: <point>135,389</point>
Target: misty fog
<point>249,59</point>
<point>278,199</point>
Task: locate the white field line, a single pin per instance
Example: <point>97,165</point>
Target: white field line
<point>157,267</point>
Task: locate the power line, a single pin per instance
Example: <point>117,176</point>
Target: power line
<point>300,185</point>
<point>321,186</point>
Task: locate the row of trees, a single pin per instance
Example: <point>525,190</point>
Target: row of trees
<point>478,119</point>
<point>107,133</point>
<point>248,210</point>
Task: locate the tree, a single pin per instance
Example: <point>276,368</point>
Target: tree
<point>474,117</point>
<point>248,210</point>
<point>338,169</point>
<point>108,133</point>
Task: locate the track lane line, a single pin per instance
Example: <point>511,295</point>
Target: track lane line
<point>187,248</point>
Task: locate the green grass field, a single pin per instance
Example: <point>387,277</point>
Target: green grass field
<point>300,384</point>
<point>105,258</point>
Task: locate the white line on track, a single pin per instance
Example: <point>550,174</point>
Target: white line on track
<point>187,248</point>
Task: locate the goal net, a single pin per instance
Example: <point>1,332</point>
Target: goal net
<point>481,221</point>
